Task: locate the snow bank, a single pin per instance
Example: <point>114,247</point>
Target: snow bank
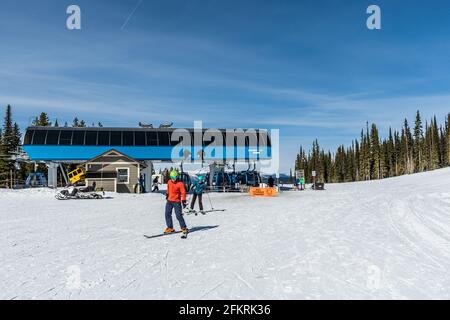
<point>380,239</point>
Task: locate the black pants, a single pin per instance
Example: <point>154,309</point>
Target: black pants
<point>200,203</point>
<point>178,213</point>
<point>155,188</point>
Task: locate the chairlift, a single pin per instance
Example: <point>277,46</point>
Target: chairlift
<point>36,179</point>
<point>145,125</point>
<point>166,125</point>
<point>76,175</point>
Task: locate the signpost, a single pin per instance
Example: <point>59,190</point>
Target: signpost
<point>299,174</point>
<point>314,179</point>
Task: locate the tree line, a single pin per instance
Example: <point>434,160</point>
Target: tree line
<point>409,150</point>
<point>43,120</point>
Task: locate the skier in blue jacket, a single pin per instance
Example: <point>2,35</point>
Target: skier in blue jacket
<point>198,186</point>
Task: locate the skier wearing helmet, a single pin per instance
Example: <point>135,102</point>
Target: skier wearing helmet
<point>198,187</point>
<point>176,199</point>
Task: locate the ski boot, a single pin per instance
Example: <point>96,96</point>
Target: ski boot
<point>202,212</point>
<point>184,233</point>
<point>190,211</point>
<point>169,230</point>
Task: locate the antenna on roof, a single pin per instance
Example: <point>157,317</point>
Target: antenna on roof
<point>144,125</point>
<point>166,125</point>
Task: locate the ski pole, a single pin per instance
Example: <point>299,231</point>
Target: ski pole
<point>212,208</point>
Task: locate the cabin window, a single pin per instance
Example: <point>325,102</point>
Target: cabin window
<point>78,138</point>
<point>152,139</point>
<point>65,138</point>
<point>123,175</point>
<point>91,138</point>
<point>28,137</point>
<point>139,138</point>
<point>128,138</point>
<point>39,136</point>
<point>116,138</point>
<point>164,139</point>
<point>103,138</point>
<point>52,137</point>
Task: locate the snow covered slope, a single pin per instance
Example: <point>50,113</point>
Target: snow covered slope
<point>380,239</point>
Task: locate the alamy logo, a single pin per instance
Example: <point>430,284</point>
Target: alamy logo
<point>73,21</point>
<point>256,145</point>
<point>374,20</point>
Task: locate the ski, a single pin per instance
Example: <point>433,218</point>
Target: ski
<point>216,210</point>
<point>204,212</point>
<point>161,235</point>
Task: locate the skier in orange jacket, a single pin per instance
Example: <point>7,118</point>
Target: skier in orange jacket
<point>176,199</point>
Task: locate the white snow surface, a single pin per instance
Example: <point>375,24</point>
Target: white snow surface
<point>386,239</point>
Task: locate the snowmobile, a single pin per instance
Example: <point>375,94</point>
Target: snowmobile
<point>74,193</point>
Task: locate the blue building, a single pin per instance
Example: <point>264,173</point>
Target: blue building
<point>56,145</point>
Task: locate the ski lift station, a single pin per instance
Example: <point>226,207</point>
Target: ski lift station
<point>140,148</point>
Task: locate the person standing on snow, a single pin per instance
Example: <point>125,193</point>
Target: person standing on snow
<point>198,187</point>
<point>176,200</point>
<point>302,183</point>
<point>155,184</point>
<point>271,182</point>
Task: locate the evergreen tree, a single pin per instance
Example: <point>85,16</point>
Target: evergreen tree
<point>418,142</point>
<point>356,161</point>
<point>330,167</point>
<point>375,161</point>
<point>10,142</point>
<point>2,154</point>
<point>385,159</point>
<point>77,123</point>
<point>7,127</point>
<point>366,158</point>
<point>442,147</point>
<point>362,158</point>
<point>17,136</point>
<point>426,150</point>
<point>407,147</point>
<point>434,147</point>
<point>42,121</point>
<point>398,154</point>
<point>391,155</point>
<point>447,140</point>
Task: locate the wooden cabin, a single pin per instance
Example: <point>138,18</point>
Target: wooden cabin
<point>115,172</point>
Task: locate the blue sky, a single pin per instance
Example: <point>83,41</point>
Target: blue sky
<point>310,68</point>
